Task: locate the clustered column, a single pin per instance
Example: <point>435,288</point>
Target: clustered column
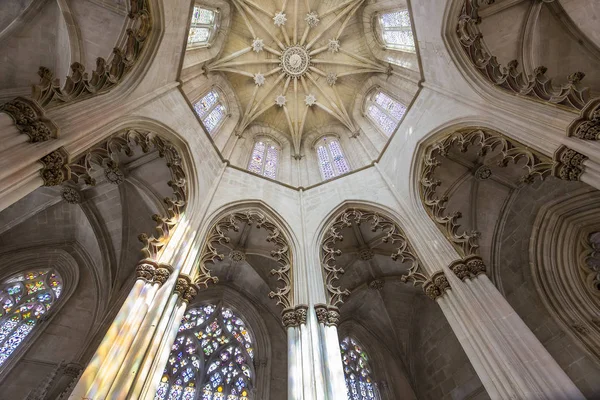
<point>329,318</point>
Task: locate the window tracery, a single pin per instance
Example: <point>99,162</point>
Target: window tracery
<point>359,383</point>
<point>396,30</point>
<point>24,299</point>
<point>203,26</point>
<point>385,112</point>
<point>332,161</point>
<point>211,110</point>
<point>211,358</point>
<point>264,158</point>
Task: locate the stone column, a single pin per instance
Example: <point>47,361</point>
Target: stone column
<point>329,318</point>
<point>509,359</point>
<point>98,375</point>
<point>295,382</point>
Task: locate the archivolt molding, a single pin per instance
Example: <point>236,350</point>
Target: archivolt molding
<point>108,73</point>
<point>30,119</point>
<point>378,222</point>
<point>218,235</point>
<point>106,155</point>
<point>587,126</point>
<point>537,86</point>
<point>590,252</point>
<point>536,166</point>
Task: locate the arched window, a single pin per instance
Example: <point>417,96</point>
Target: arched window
<point>265,156</point>
<point>331,158</point>
<point>203,27</point>
<point>211,358</point>
<point>396,30</point>
<point>211,110</point>
<point>384,111</point>
<point>359,382</point>
<point>24,299</point>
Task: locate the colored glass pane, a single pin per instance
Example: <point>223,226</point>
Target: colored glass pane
<point>393,108</point>
<point>396,19</point>
<point>382,120</point>
<point>271,163</point>
<point>203,16</point>
<point>257,159</point>
<point>203,24</point>
<point>24,298</point>
<point>331,158</point>
<point>213,119</point>
<point>205,104</point>
<point>198,35</point>
<point>325,163</point>
<point>397,31</point>
<point>213,351</point>
<point>338,158</point>
<point>359,383</point>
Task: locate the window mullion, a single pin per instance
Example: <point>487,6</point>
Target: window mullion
<point>264,159</point>
<point>333,165</point>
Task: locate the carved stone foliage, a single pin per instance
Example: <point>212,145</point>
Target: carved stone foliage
<point>292,317</point>
<point>510,78</point>
<point>151,272</point>
<point>587,126</point>
<point>378,223</point>
<point>327,315</point>
<point>30,120</point>
<point>56,168</point>
<point>535,165</point>
<point>436,286</point>
<point>590,262</point>
<point>105,156</point>
<point>468,268</point>
<point>186,288</point>
<point>568,164</point>
<point>71,195</point>
<point>80,85</point>
<point>219,235</point>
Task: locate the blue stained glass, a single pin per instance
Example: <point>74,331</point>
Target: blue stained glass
<point>382,120</point>
<point>175,392</point>
<point>213,119</point>
<point>338,158</point>
<point>359,383</point>
<point>205,103</point>
<point>257,158</point>
<point>324,163</point>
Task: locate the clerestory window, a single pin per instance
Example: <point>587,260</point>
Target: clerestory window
<point>211,358</point>
<point>384,111</point>
<point>211,110</point>
<point>264,158</point>
<point>396,30</point>
<point>24,299</point>
<point>203,27</point>
<point>359,381</point>
<point>331,158</point>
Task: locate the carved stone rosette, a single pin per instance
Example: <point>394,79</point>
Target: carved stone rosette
<point>29,119</point>
<point>71,195</point>
<point>436,286</point>
<point>507,151</point>
<point>108,73</point>
<point>510,78</point>
<point>468,268</point>
<point>56,168</point>
<point>568,164</point>
<point>378,223</point>
<point>219,236</point>
<point>587,126</point>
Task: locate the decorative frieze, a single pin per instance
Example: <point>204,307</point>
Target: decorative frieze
<point>468,268</point>
<point>29,119</point>
<point>436,286</point>
<point>587,126</point>
<point>56,168</point>
<point>568,164</point>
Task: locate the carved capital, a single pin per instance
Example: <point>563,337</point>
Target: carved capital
<point>587,126</point>
<point>468,268</point>
<point>333,316</point>
<point>436,286</point>
<point>56,168</point>
<point>162,273</point>
<point>182,284</point>
<point>145,270</point>
<point>321,311</point>
<point>301,314</point>
<point>568,164</point>
<point>289,318</point>
<point>29,119</point>
<point>190,293</point>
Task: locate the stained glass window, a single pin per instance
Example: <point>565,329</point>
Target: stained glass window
<point>202,27</point>
<point>211,110</point>
<point>264,159</point>
<point>385,112</point>
<point>24,299</point>
<point>396,30</point>
<point>331,158</point>
<point>359,381</point>
<point>211,358</point>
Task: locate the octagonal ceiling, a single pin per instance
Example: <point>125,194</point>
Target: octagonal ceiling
<point>296,65</point>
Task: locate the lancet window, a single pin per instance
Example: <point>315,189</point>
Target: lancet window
<point>264,158</point>
<point>396,30</point>
<point>331,158</point>
<point>204,22</point>
<point>359,381</point>
<point>211,110</point>
<point>211,358</point>
<point>384,111</point>
<point>24,299</point>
